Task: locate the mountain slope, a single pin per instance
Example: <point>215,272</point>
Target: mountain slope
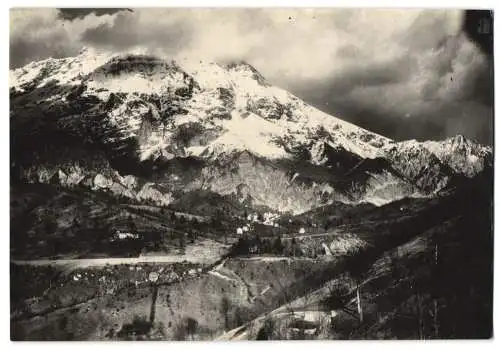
<point>427,275</point>
<point>134,118</point>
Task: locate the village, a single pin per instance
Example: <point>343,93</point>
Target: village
<point>133,257</point>
<point>257,233</point>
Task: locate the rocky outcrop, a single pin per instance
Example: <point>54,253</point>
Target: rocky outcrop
<point>419,165</point>
<point>73,176</point>
<point>151,192</point>
<point>462,155</point>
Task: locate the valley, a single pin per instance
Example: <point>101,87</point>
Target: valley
<point>278,295</point>
<point>160,200</point>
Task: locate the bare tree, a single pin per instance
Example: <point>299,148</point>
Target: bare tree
<point>191,327</point>
<point>225,311</point>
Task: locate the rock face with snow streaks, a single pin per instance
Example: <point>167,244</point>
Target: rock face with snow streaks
<point>147,128</point>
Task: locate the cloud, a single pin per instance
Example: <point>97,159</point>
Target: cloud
<point>450,86</point>
<point>40,33</point>
<point>166,35</point>
<point>72,13</point>
<point>295,43</point>
<point>285,44</point>
<point>37,34</point>
<point>432,82</point>
<point>404,73</point>
<point>33,36</point>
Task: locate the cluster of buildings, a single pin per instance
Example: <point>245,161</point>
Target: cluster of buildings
<point>123,235</point>
<point>268,219</point>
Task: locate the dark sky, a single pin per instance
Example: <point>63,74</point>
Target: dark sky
<point>402,73</point>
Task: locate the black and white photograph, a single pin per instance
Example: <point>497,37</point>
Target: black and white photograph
<point>220,174</point>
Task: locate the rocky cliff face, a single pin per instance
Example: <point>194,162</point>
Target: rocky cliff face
<point>148,128</point>
<point>463,156</point>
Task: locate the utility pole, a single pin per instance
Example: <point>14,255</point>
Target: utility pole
<point>436,321</point>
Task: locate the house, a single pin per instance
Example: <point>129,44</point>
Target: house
<point>239,231</point>
<point>245,228</point>
<point>311,331</point>
<point>302,230</point>
<point>153,276</point>
<point>269,218</point>
<point>121,235</point>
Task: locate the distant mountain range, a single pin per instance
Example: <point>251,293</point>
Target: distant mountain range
<point>152,129</point>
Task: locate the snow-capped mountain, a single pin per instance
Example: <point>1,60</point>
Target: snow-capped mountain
<point>146,127</point>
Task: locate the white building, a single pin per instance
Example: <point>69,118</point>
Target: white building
<point>302,230</point>
<point>120,235</point>
<point>270,218</point>
<point>239,231</point>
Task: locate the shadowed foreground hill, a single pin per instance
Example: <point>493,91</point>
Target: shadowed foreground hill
<point>425,275</point>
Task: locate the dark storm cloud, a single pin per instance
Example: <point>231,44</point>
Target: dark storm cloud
<point>31,48</point>
<point>121,34</point>
<point>73,13</point>
<point>378,74</point>
<point>40,33</point>
<point>478,25</point>
<point>442,85</point>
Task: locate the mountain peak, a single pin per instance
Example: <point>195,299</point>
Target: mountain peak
<point>84,50</point>
<point>246,68</point>
<point>239,64</point>
<point>459,140</point>
<point>463,155</point>
<point>461,143</point>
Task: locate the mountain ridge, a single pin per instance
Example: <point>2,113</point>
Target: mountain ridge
<point>142,112</point>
